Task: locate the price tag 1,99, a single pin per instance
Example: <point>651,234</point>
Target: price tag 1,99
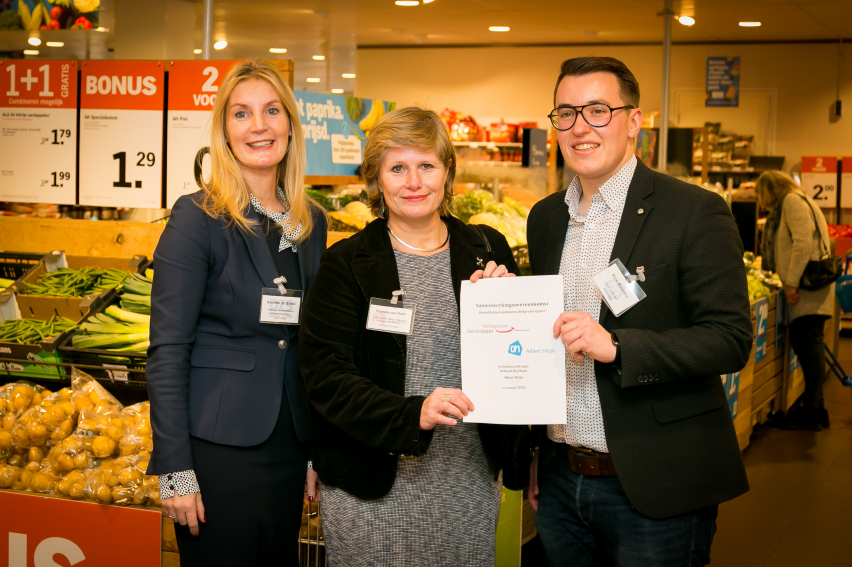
<point>38,131</point>
<point>121,133</point>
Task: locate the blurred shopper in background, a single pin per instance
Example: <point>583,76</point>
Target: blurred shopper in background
<point>796,233</point>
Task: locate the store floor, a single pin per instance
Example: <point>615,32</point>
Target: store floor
<point>798,510</point>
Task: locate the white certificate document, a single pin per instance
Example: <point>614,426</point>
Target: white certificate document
<point>513,370</point>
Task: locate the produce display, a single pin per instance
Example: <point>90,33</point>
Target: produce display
<point>355,214</point>
<point>839,230</point>
<point>32,331</point>
<point>65,282</point>
<point>4,283</point>
<point>78,443</point>
<point>509,216</point>
<point>760,283</point>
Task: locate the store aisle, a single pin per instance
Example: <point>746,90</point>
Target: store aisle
<point>798,510</point>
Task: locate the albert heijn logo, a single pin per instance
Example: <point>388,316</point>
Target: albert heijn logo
<point>516,348</point>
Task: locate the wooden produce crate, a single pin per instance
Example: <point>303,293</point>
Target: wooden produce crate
<point>17,265</point>
<point>768,373</point>
<point>70,307</point>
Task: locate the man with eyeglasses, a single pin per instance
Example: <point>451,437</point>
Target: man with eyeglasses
<point>649,449</point>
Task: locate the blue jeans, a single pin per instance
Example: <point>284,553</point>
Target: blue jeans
<point>588,521</point>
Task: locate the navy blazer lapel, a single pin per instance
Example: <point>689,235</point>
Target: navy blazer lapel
<point>637,208</point>
<point>259,251</point>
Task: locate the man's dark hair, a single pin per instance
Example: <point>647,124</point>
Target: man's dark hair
<point>628,86</point>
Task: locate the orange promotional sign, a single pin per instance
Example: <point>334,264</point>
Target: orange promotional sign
<point>37,528</point>
<point>38,84</point>
<point>122,85</point>
<point>819,164</point>
<point>819,180</point>
<point>193,84</point>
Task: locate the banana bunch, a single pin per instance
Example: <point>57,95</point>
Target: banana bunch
<point>32,20</point>
<point>369,121</point>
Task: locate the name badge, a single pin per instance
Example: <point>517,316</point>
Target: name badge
<point>390,316</point>
<point>618,288</point>
<point>280,309</point>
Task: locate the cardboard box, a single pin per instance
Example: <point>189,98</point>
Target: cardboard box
<point>73,308</point>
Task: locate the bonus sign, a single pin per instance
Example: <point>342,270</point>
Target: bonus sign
<point>121,133</point>
<point>38,131</point>
<point>192,92</point>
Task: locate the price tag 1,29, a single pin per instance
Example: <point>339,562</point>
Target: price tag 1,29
<point>38,122</point>
<point>121,133</point>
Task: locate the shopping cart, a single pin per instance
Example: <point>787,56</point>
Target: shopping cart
<point>835,367</point>
<point>311,544</point>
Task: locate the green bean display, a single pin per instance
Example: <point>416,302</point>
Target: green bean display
<point>31,331</point>
<point>66,282</point>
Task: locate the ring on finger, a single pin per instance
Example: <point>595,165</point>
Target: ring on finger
<point>173,518</point>
<point>446,397</point>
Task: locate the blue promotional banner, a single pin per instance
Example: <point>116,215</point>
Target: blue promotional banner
<point>761,326</point>
<point>759,348</point>
<point>731,383</point>
<point>723,81</point>
<point>336,128</point>
<point>793,362</point>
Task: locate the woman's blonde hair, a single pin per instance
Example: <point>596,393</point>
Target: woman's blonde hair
<point>409,127</point>
<point>772,187</point>
<point>226,193</point>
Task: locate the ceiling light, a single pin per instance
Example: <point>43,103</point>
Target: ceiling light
<point>312,80</point>
<point>318,58</point>
<point>428,1</point>
<point>30,51</point>
<point>749,24</point>
<point>686,20</point>
<point>55,44</point>
<point>34,41</point>
<point>407,2</point>
<point>337,91</point>
<point>197,51</point>
<point>277,50</point>
<point>102,29</point>
<point>348,75</point>
<point>221,44</point>
<point>499,28</point>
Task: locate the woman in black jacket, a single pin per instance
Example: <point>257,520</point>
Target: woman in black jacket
<point>405,482</point>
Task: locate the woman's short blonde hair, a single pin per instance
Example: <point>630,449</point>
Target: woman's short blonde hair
<point>226,193</point>
<point>409,127</point>
<point>772,187</point>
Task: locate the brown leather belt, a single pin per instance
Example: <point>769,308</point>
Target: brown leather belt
<point>587,462</point>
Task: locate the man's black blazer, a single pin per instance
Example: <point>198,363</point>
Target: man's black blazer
<point>666,417</point>
<point>214,371</point>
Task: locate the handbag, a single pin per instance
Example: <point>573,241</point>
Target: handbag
<point>825,271</point>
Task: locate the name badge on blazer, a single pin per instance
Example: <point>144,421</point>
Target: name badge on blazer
<point>279,305</point>
<point>390,316</point>
<point>618,288</point>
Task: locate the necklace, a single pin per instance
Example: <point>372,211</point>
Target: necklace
<point>420,249</point>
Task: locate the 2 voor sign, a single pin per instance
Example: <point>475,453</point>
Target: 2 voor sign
<point>819,180</point>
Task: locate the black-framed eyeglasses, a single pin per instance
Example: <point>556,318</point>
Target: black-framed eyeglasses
<point>596,115</point>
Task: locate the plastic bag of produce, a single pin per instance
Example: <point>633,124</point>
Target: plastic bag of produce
<point>87,394</point>
<point>73,453</point>
<point>9,475</point>
<point>19,396</point>
<point>137,439</point>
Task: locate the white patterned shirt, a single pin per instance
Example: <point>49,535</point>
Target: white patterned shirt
<point>587,250</point>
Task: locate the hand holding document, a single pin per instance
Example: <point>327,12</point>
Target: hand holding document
<point>512,367</point>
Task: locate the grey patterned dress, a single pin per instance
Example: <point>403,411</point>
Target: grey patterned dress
<point>443,507</point>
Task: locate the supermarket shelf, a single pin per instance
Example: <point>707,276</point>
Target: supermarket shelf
<point>488,144</point>
<point>332,179</point>
<point>494,163</point>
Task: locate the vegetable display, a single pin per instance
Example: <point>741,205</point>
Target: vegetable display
<point>116,329</point>
<point>31,331</point>
<point>508,216</point>
<point>65,282</point>
<point>760,283</point>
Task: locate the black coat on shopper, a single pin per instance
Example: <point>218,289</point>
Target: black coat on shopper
<point>356,377</point>
<point>665,413</point>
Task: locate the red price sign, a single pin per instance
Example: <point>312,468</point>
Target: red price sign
<point>193,87</point>
<point>121,133</point>
<point>38,117</point>
<point>819,180</point>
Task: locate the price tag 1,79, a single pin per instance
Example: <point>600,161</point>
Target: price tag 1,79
<point>38,131</point>
<point>121,133</point>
